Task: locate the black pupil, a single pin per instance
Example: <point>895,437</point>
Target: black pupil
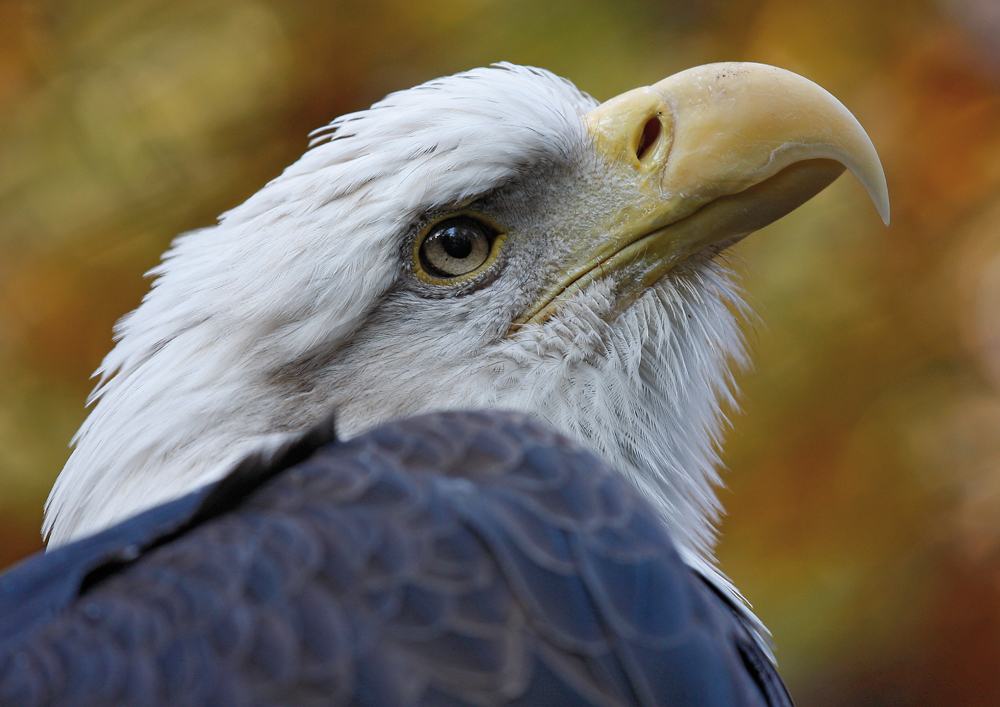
<point>456,243</point>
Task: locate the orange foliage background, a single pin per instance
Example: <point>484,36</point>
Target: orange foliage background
<point>864,483</point>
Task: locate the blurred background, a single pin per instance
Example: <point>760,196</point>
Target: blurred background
<point>864,483</point>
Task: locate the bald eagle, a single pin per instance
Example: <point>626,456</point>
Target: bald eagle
<point>493,239</point>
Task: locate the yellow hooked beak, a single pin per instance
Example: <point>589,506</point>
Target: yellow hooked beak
<point>708,156</point>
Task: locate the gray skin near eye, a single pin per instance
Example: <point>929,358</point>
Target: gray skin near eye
<point>456,247</point>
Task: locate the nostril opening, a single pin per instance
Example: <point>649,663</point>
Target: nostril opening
<point>650,133</point>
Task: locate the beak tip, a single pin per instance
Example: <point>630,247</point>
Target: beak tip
<point>866,166</point>
<point>881,199</point>
<point>879,194</point>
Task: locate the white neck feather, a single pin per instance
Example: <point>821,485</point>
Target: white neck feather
<point>646,392</point>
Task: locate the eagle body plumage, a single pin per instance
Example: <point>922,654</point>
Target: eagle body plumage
<point>458,558</point>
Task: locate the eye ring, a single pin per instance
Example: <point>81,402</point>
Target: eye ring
<point>456,248</point>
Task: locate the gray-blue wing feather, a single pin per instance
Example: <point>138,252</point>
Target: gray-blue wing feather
<point>451,559</point>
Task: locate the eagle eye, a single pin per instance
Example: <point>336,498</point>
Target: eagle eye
<point>455,247</point>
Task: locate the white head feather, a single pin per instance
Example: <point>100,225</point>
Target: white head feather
<point>301,301</point>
